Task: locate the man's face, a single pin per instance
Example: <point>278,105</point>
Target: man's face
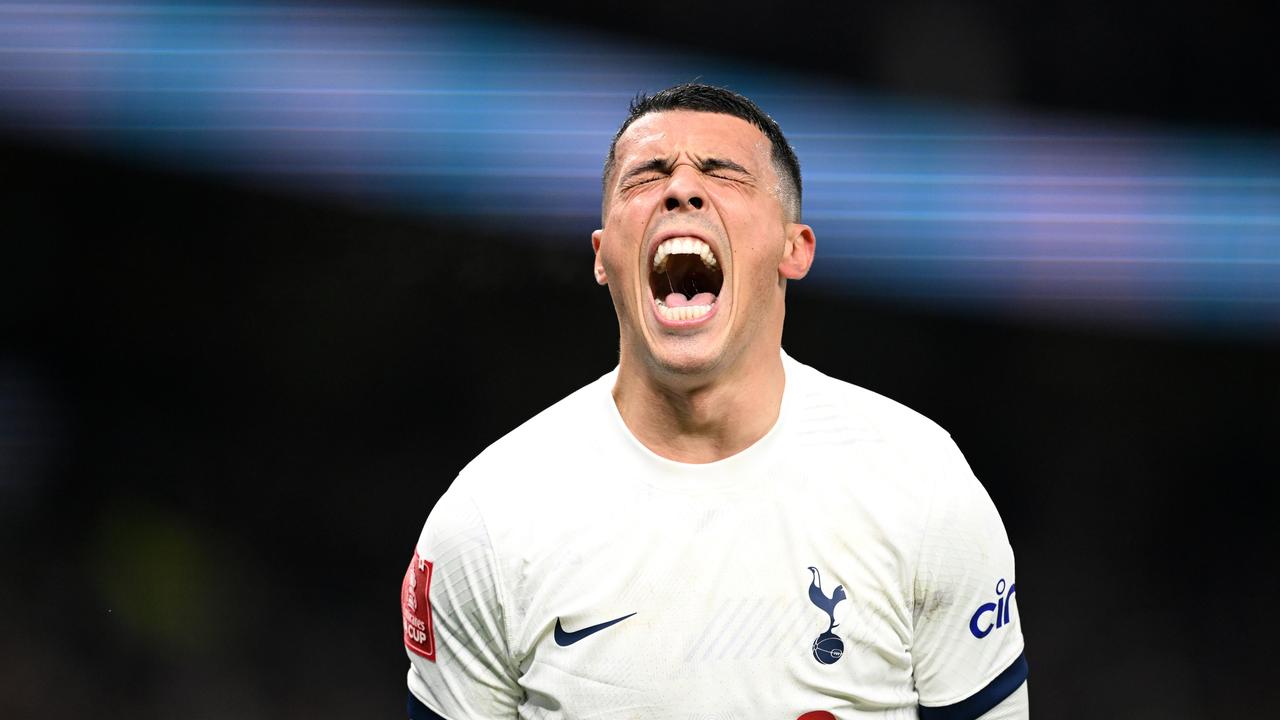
<point>696,247</point>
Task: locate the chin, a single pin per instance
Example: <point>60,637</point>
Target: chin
<point>690,360</point>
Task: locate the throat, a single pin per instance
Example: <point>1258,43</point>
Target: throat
<point>699,422</point>
<point>682,278</point>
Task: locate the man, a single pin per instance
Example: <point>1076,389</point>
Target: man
<point>712,530</point>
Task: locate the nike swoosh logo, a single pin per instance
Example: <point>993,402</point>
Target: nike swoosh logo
<point>565,638</point>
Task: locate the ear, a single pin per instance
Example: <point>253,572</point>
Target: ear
<point>602,278</point>
<point>797,254</point>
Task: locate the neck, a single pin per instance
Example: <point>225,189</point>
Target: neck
<point>695,419</point>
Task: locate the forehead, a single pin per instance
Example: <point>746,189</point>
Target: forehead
<point>701,134</point>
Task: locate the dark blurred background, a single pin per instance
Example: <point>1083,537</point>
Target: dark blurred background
<point>227,404</point>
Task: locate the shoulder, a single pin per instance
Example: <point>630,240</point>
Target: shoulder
<point>507,504</point>
<point>858,414</point>
<point>495,501</point>
<point>882,455</point>
<point>551,444</point>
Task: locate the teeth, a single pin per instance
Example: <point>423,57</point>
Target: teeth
<point>685,312</point>
<point>683,246</point>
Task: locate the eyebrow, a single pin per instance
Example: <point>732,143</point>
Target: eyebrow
<point>665,165</point>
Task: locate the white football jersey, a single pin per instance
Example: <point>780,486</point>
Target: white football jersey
<point>847,565</point>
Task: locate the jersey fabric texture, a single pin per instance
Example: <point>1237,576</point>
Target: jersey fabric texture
<point>847,562</point>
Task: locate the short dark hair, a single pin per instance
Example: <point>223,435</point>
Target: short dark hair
<point>709,98</point>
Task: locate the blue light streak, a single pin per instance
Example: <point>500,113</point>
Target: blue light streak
<point>497,120</point>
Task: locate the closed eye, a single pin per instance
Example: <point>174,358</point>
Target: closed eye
<point>649,171</point>
<point>641,181</point>
<point>644,180</point>
<point>723,169</point>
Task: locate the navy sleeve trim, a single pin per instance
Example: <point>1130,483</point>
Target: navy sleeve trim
<point>988,697</point>
<point>418,711</point>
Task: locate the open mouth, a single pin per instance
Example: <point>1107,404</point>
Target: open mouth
<point>685,279</point>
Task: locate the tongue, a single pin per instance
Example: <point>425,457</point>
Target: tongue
<point>679,300</point>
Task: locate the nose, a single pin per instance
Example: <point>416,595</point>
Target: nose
<point>674,202</point>
<point>684,190</point>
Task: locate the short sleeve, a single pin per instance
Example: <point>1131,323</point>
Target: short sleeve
<point>454,623</point>
<point>967,650</point>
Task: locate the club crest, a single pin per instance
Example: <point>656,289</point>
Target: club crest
<point>828,648</point>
